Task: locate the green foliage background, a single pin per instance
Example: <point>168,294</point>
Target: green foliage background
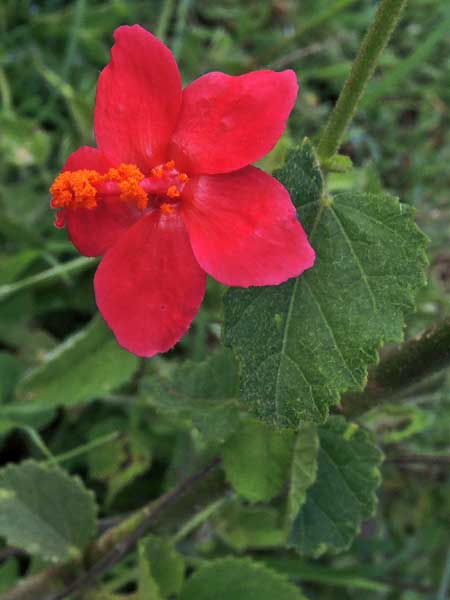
<point>129,428</point>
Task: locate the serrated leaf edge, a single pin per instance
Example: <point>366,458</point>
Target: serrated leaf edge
<point>31,548</point>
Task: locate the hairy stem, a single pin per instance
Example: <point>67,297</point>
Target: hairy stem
<point>412,362</point>
<point>373,44</point>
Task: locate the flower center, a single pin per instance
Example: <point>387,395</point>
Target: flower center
<point>82,188</point>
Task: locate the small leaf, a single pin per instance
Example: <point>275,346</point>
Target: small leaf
<point>161,569</point>
<point>303,469</point>
<point>45,512</point>
<point>202,393</point>
<point>238,579</point>
<point>255,527</point>
<point>339,163</point>
<point>344,492</point>
<point>87,365</point>
<point>303,343</point>
<point>256,460</point>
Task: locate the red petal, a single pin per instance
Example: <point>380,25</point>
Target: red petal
<point>138,99</point>
<point>228,122</point>
<point>149,286</point>
<point>244,229</point>
<point>92,232</point>
<point>87,158</point>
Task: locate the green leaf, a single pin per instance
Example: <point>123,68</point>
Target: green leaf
<point>303,469</point>
<point>13,266</point>
<point>303,343</point>
<point>256,527</point>
<point>300,570</point>
<point>9,573</point>
<point>339,163</point>
<point>22,143</point>
<point>239,579</point>
<point>202,393</point>
<point>343,495</point>
<point>87,365</point>
<point>256,460</point>
<point>45,512</point>
<point>398,422</point>
<point>10,369</point>
<point>161,569</point>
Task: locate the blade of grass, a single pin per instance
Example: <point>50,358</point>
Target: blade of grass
<point>47,277</point>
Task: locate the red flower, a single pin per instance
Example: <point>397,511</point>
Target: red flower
<point>169,195</point>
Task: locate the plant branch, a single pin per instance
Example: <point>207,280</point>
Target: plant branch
<point>412,362</point>
<point>129,542</point>
<point>110,548</point>
<point>372,46</point>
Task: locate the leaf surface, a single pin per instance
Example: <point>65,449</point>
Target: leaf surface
<point>303,470</point>
<point>87,365</point>
<point>45,512</point>
<point>161,569</point>
<point>239,579</point>
<point>303,343</point>
<point>343,495</point>
<point>256,460</point>
<point>201,393</point>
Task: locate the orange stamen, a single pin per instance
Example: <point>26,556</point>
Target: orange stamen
<point>173,192</point>
<point>166,208</point>
<point>183,177</point>
<point>170,164</point>
<point>79,189</point>
<point>157,172</point>
<point>129,177</point>
<point>75,189</point>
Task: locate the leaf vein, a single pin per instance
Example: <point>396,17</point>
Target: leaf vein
<point>356,258</point>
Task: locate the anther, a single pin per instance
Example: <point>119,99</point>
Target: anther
<point>157,172</point>
<point>173,192</point>
<point>166,208</point>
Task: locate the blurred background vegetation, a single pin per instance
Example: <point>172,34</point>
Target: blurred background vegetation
<point>51,53</point>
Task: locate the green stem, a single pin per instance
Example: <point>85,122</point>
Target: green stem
<point>164,19</point>
<point>180,27</point>
<point>71,48</point>
<point>412,362</point>
<point>374,42</point>
<point>5,92</point>
<point>84,449</point>
<point>200,517</point>
<point>45,277</point>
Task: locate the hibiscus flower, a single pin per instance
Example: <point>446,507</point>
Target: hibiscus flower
<point>169,195</point>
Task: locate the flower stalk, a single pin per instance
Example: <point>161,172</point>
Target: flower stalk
<point>375,40</point>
